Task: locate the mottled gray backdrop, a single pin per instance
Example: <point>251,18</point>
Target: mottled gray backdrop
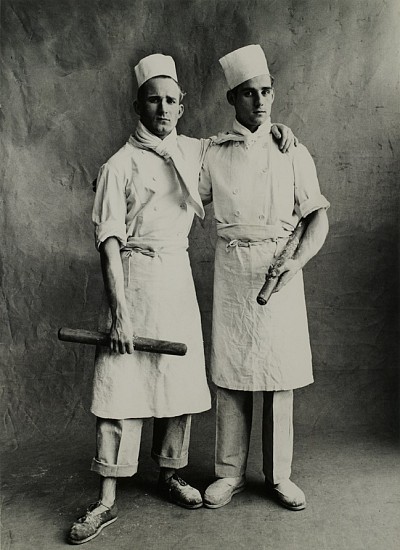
<point>67,91</point>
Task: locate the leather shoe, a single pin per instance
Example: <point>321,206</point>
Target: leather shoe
<point>89,526</point>
<point>179,492</point>
<point>287,494</point>
<point>221,491</point>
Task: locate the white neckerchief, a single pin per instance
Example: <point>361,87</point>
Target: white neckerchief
<point>167,148</point>
<point>242,134</point>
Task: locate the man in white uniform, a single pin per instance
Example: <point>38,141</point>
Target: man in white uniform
<point>146,198</point>
<point>259,196</point>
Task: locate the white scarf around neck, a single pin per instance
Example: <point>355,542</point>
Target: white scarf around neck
<point>242,134</point>
<point>144,139</point>
<point>167,148</point>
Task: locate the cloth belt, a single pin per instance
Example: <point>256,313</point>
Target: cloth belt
<point>152,248</point>
<point>253,233</point>
<point>248,244</point>
<point>244,235</point>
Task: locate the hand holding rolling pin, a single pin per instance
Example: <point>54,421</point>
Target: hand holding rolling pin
<point>284,272</point>
<point>139,343</point>
<point>121,335</point>
<point>285,267</point>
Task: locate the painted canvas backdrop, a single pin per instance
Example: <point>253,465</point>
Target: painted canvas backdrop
<point>67,89</point>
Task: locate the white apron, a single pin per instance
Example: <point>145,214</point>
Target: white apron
<point>257,348</point>
<point>159,289</point>
<point>259,195</point>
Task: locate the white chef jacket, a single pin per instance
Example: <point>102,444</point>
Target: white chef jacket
<point>259,195</point>
<point>140,201</point>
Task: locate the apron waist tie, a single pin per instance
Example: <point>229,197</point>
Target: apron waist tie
<point>237,242</point>
<point>129,252</point>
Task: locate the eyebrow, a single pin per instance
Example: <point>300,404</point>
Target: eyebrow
<point>255,89</point>
<point>157,95</point>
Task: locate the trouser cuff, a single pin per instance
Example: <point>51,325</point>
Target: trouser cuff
<point>168,462</point>
<point>113,470</point>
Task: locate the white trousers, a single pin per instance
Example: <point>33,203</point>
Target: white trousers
<point>234,421</point>
<point>118,444</point>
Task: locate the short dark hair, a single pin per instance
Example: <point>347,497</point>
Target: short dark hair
<point>235,89</point>
<point>140,92</point>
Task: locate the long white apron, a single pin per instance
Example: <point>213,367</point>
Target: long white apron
<point>140,201</point>
<point>160,295</point>
<point>259,194</point>
<point>255,347</point>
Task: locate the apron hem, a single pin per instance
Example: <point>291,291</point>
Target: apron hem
<point>258,388</point>
<point>147,414</point>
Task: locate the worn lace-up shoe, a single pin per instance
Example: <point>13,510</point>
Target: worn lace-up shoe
<point>90,525</point>
<point>287,494</point>
<point>221,491</point>
<point>179,492</point>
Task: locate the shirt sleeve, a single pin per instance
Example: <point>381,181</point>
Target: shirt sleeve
<point>204,145</point>
<point>308,197</point>
<point>205,187</point>
<point>109,209</point>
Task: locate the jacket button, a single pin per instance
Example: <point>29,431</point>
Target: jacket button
<point>237,213</point>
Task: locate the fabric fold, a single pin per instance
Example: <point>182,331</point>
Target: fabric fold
<point>242,134</point>
<point>168,148</point>
<point>157,245</point>
<point>251,233</point>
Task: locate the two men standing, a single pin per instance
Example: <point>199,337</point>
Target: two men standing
<point>145,202</point>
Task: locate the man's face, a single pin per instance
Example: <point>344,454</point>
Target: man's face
<point>253,101</point>
<point>159,105</point>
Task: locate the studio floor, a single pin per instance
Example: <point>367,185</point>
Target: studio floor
<point>352,484</point>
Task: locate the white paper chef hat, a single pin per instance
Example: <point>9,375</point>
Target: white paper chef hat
<point>156,64</point>
<point>243,64</point>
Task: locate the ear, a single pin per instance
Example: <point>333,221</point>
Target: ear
<point>181,110</point>
<point>136,107</point>
<point>273,95</point>
<point>230,96</point>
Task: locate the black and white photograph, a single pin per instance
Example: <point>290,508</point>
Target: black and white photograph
<point>199,270</point>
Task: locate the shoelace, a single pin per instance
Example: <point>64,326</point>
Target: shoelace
<point>179,480</point>
<point>90,517</point>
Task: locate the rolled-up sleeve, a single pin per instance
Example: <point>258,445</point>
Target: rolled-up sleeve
<point>109,209</point>
<point>308,197</point>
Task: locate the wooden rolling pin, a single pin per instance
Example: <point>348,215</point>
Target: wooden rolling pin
<point>287,253</point>
<point>81,336</point>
